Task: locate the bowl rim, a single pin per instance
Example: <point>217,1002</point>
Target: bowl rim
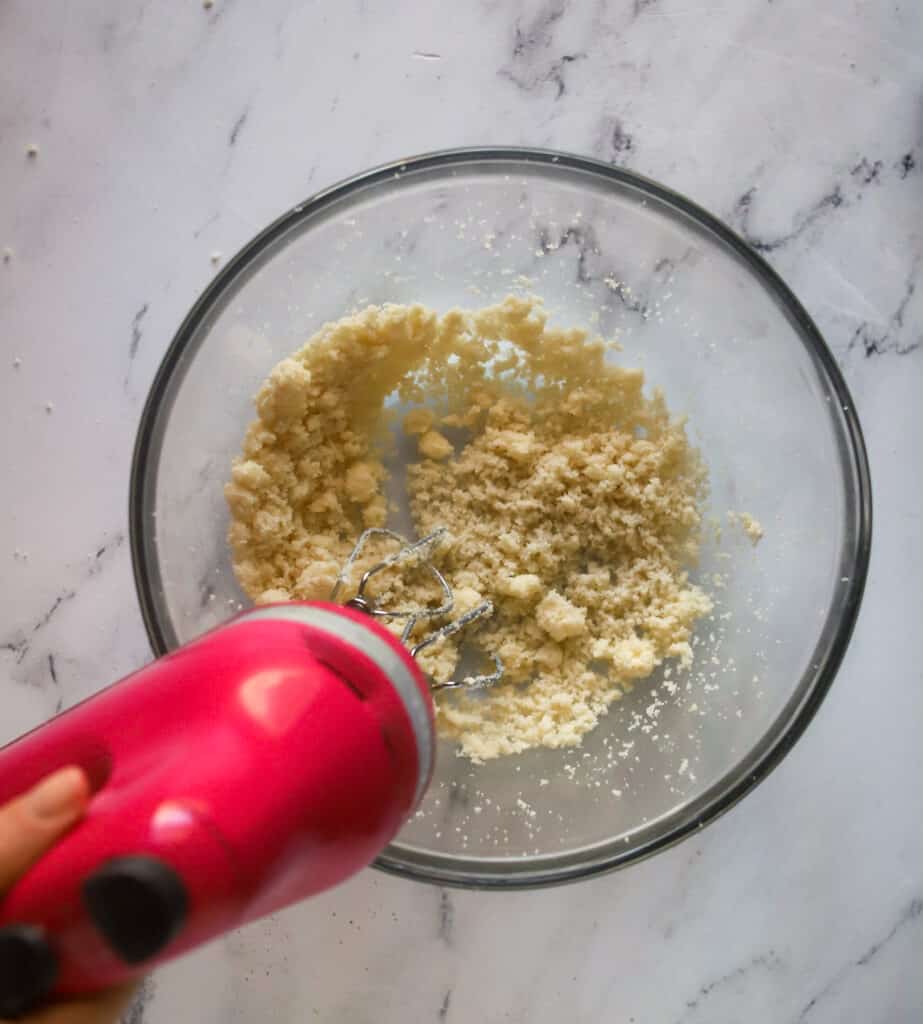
<point>547,869</point>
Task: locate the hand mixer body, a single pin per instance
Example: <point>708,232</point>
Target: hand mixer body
<point>262,763</point>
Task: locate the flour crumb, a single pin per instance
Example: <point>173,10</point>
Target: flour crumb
<point>434,445</point>
<point>32,151</point>
<point>418,421</point>
<point>362,481</point>
<point>750,526</point>
<point>524,587</point>
<point>7,254</point>
<point>559,618</point>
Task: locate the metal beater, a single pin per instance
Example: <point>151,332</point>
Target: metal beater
<point>417,552</point>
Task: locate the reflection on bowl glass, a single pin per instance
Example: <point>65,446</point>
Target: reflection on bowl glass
<point>710,324</point>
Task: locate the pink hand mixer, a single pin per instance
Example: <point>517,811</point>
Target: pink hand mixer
<point>264,762</point>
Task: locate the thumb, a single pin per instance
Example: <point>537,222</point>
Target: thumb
<point>105,1008</point>
<point>30,824</point>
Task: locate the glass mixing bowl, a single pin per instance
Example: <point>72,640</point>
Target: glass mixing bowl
<point>710,323</point>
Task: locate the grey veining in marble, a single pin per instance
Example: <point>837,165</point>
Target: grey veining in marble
<point>169,134</point>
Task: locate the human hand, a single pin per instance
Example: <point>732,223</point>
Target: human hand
<point>30,825</point>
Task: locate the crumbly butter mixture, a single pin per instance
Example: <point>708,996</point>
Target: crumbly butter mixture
<point>572,502</point>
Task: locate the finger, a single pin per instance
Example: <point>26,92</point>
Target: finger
<point>106,1008</point>
<point>31,823</point>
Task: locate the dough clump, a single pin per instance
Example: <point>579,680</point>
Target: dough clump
<point>571,499</point>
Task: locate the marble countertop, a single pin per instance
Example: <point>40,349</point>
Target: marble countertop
<point>169,132</point>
